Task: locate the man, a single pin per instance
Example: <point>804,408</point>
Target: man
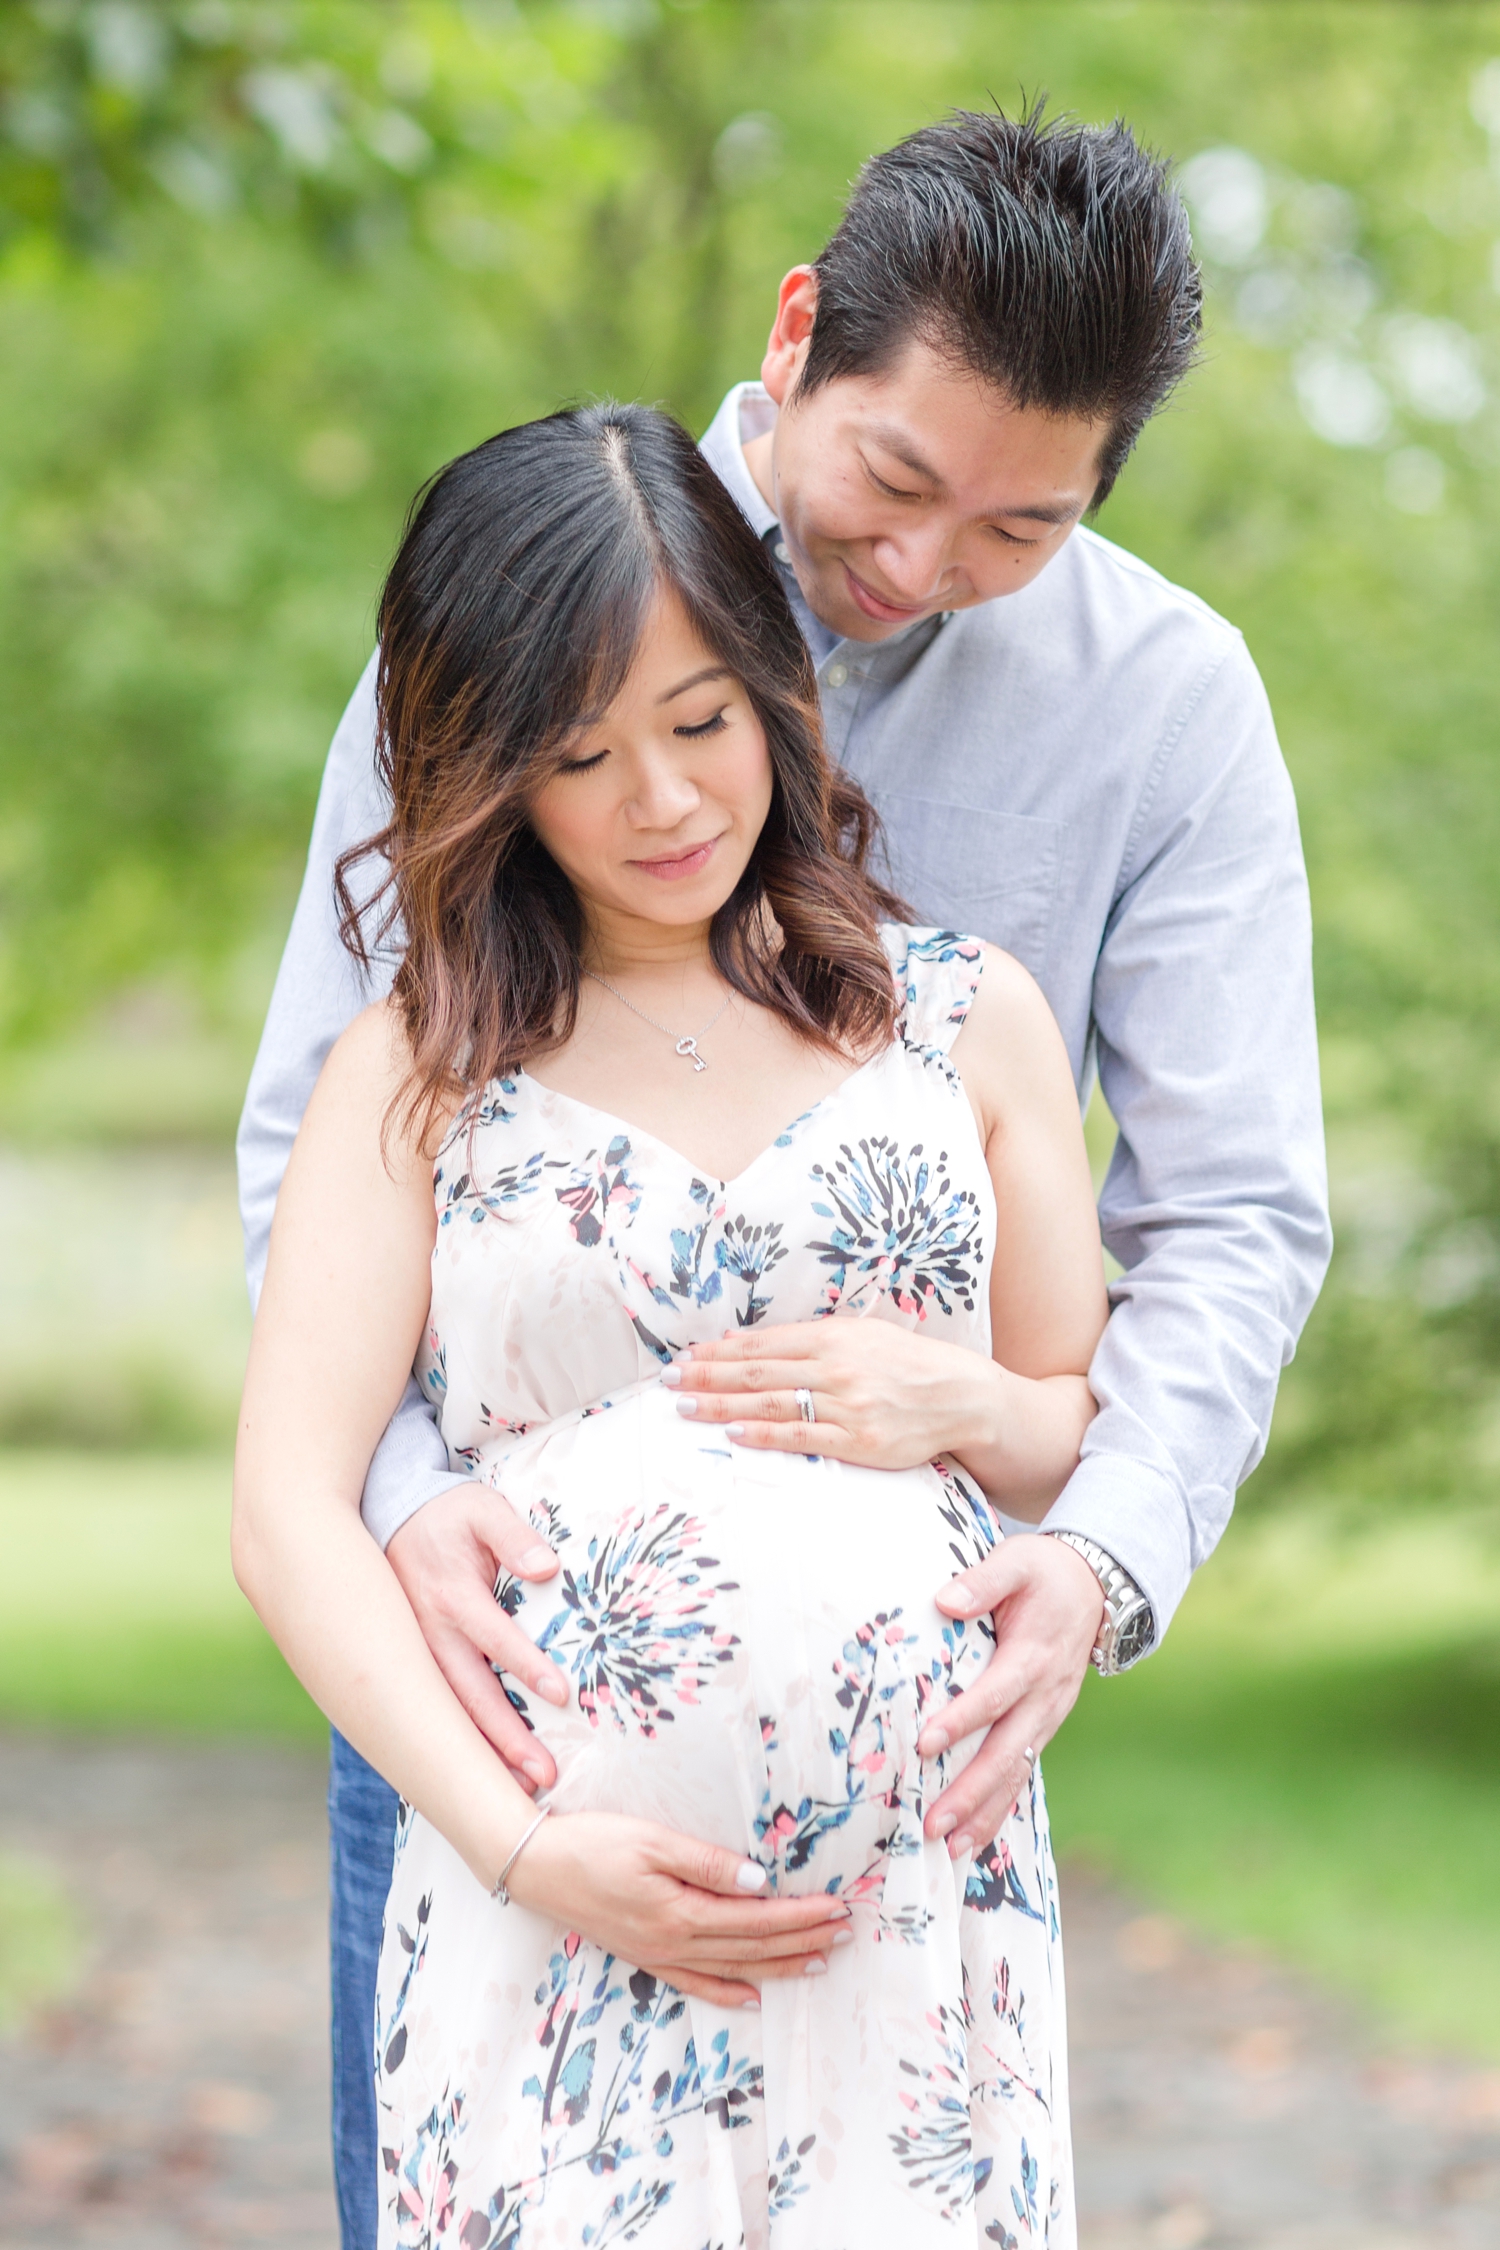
<point>1075,760</point>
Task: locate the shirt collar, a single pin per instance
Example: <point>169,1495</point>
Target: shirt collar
<point>747,412</point>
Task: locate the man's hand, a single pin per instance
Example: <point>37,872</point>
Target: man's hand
<point>1048,1607</point>
<point>447,1558</point>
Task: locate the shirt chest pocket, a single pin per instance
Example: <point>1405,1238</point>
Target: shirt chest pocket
<point>993,875</point>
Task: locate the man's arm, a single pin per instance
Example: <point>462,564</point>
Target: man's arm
<point>319,991</point>
<point>1216,1202</point>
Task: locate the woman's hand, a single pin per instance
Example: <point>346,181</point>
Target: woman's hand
<point>691,1913</point>
<point>883,1397</point>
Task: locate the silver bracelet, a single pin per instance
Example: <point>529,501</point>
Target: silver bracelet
<point>500,1892</point>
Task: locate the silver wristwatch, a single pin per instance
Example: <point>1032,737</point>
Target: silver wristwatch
<point>1129,1625</point>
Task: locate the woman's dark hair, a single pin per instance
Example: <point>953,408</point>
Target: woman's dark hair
<point>1050,258</point>
<point>509,620</point>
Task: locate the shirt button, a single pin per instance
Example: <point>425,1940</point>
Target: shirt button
<point>836,674</point>
<point>781,551</point>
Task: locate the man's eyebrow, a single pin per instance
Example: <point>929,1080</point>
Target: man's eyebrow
<point>695,679</point>
<point>1065,511</point>
<point>893,440</point>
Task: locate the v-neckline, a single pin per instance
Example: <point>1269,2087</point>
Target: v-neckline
<point>702,1171</point>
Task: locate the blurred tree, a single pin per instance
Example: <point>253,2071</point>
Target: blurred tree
<point>265,263</point>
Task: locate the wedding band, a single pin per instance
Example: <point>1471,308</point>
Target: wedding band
<point>805,1405</point>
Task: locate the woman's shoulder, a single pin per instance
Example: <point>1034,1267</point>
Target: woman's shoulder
<point>367,1074</point>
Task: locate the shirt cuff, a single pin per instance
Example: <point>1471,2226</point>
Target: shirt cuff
<point>1137,1515</point>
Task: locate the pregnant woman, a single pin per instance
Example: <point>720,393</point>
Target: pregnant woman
<point>663,1062</point>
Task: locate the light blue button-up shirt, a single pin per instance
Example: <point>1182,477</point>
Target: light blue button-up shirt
<point>1085,772</point>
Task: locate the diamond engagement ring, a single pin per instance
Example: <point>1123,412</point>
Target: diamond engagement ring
<point>805,1405</point>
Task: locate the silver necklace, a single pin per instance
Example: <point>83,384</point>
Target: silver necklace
<point>687,1045</point>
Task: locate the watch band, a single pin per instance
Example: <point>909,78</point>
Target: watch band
<point>1128,1628</point>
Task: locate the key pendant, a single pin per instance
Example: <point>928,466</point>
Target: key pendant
<point>689,1047</point>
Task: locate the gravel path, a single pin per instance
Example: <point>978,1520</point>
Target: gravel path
<point>179,2100</point>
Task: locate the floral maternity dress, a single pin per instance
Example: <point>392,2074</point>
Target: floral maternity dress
<point>752,1642</point>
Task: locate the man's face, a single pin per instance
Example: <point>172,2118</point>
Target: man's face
<point>918,490</point>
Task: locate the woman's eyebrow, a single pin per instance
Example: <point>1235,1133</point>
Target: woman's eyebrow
<point>695,679</point>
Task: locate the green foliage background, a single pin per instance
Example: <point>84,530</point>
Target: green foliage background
<point>261,268</point>
<point>264,265</point>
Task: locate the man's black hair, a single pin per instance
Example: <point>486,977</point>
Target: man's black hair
<point>1053,259</point>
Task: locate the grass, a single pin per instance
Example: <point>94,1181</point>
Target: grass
<point>1313,1761</point>
<point>41,1938</point>
<point>118,1608</point>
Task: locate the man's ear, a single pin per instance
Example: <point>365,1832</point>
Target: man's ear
<point>791,333</point>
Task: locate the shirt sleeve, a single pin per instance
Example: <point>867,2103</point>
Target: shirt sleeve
<point>319,991</point>
<point>1216,1201</point>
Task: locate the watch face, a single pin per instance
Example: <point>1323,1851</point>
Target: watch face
<point>1134,1637</point>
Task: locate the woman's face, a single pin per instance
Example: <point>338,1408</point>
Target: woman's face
<point>655,815</point>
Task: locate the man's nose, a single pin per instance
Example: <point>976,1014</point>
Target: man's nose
<point>915,565</point>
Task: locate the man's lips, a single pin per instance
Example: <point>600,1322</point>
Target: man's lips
<point>672,868</point>
<point>876,606</point>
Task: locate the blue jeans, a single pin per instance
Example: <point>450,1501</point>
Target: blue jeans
<point>362,1842</point>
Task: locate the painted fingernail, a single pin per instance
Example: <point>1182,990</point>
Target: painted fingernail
<point>536,1562</point>
<point>749,1876</point>
<point>816,1967</point>
<point>944,1824</point>
<point>933,1742</point>
<point>734,1429</point>
<point>688,1406</point>
<point>960,1845</point>
<point>843,1937</point>
<point>671,1376</point>
<point>552,1685</point>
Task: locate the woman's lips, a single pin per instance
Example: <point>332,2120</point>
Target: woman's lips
<point>672,870</point>
<point>873,605</point>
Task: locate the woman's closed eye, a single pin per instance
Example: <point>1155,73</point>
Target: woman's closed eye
<point>703,728</point>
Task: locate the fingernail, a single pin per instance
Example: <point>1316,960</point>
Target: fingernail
<point>734,1429</point>
<point>750,2004</point>
<point>688,1406</point>
<point>944,1824</point>
<point>933,1742</point>
<point>552,1685</point>
<point>535,1771</point>
<point>816,1967</point>
<point>749,1876</point>
<point>843,1937</point>
<point>537,1560</point>
<point>959,1845</point>
<point>671,1376</point>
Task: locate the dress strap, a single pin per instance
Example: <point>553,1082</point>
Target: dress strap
<point>937,975</point>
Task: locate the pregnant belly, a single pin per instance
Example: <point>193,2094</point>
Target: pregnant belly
<point>750,1639</point>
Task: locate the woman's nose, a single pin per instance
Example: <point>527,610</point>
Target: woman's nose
<point>662,796</point>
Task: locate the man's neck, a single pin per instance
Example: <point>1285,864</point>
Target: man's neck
<point>757,452</point>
